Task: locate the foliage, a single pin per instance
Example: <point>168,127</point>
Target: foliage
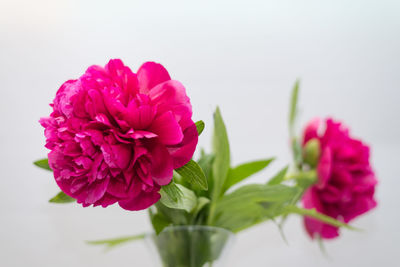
<point>113,242</point>
<point>209,191</point>
<point>43,163</point>
<point>61,197</point>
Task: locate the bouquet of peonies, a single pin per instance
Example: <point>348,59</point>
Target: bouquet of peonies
<point>119,137</point>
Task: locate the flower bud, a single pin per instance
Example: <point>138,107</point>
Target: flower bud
<point>311,152</point>
<point>306,178</point>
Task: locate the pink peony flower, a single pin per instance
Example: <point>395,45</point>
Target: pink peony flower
<point>346,181</point>
<point>117,136</point>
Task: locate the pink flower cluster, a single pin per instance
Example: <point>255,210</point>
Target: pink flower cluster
<point>346,181</point>
<point>117,136</point>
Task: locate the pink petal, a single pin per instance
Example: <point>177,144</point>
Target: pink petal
<point>117,156</point>
<point>76,186</point>
<point>311,200</point>
<point>63,102</point>
<point>171,96</point>
<point>142,134</point>
<point>123,75</point>
<point>139,117</point>
<point>167,128</point>
<point>315,227</point>
<point>123,155</point>
<point>331,194</point>
<point>365,183</point>
<point>102,118</point>
<point>106,200</point>
<point>140,202</point>
<point>161,165</point>
<point>83,161</point>
<point>113,104</point>
<point>96,105</point>
<point>359,205</point>
<point>324,168</point>
<point>183,152</point>
<point>96,190</point>
<point>117,188</point>
<point>151,74</point>
<point>335,131</point>
<point>138,151</point>
<point>311,130</point>
<point>108,155</point>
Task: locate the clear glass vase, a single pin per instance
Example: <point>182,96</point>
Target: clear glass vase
<point>190,246</point>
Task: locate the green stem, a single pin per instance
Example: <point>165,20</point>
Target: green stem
<point>292,202</point>
<point>211,213</point>
<point>291,176</point>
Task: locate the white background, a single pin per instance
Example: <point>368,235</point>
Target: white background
<point>241,55</point>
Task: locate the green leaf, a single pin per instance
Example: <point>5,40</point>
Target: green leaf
<point>201,203</point>
<point>43,163</point>
<point>158,220</point>
<point>111,243</point>
<point>252,204</point>
<point>321,244</point>
<point>297,153</point>
<point>187,201</point>
<point>316,215</point>
<point>62,198</point>
<point>240,218</point>
<point>241,172</point>
<point>175,216</point>
<point>221,152</point>
<point>200,127</point>
<point>172,191</point>
<point>247,215</point>
<point>221,162</point>
<point>293,107</point>
<point>279,177</point>
<point>205,162</point>
<point>280,229</point>
<point>256,193</point>
<point>193,173</point>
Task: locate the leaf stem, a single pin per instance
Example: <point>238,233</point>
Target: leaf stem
<point>210,218</point>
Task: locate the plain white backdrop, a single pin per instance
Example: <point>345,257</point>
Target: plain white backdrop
<point>241,55</point>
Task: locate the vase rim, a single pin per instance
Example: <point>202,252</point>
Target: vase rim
<point>193,227</point>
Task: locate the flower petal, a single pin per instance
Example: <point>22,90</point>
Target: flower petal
<point>117,156</point>
<point>161,164</point>
<point>123,76</point>
<point>311,130</point>
<point>171,96</point>
<point>96,190</point>
<point>140,202</point>
<point>117,188</point>
<point>324,168</point>
<point>315,227</point>
<point>167,128</point>
<point>151,74</point>
<point>183,152</point>
<point>139,117</point>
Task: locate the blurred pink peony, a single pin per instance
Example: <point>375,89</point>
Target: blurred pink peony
<point>346,181</point>
<point>117,136</point>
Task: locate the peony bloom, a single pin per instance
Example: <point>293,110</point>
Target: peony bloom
<point>346,181</point>
<point>117,136</point>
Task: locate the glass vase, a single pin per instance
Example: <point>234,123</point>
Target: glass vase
<point>190,246</point>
